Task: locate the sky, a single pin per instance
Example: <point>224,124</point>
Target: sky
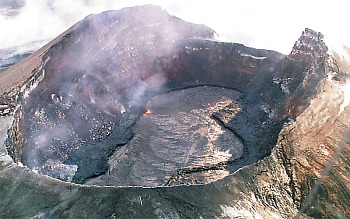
<point>268,24</point>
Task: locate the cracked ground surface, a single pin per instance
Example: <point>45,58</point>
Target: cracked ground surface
<point>178,141</point>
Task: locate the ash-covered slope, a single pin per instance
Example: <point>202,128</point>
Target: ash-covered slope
<point>216,115</point>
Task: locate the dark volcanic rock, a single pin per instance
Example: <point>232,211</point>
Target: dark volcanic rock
<point>220,115</point>
<point>79,103</point>
<point>81,110</point>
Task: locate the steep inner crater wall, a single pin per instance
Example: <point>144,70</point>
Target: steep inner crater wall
<point>151,102</point>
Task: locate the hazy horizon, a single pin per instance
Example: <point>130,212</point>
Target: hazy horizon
<point>271,24</point>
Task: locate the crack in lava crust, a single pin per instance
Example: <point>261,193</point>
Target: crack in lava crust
<point>178,142</point>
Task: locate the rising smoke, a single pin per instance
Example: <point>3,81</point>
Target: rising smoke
<point>97,81</point>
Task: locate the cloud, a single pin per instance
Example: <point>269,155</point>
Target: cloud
<point>41,20</point>
<point>269,24</point>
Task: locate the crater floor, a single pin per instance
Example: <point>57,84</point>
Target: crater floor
<point>178,140</point>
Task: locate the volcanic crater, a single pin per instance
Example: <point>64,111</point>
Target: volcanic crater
<point>152,102</point>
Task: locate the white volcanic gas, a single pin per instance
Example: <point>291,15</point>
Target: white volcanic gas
<point>251,22</point>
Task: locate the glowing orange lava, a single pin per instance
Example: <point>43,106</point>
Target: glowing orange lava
<point>147,112</point>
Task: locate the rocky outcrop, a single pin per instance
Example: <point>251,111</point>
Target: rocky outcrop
<point>301,72</point>
<point>316,146</point>
<point>241,132</point>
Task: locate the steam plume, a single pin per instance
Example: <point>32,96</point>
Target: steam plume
<point>261,24</point>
